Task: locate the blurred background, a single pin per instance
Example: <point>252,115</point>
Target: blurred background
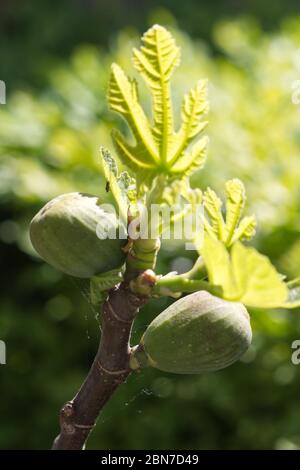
<point>54,59</point>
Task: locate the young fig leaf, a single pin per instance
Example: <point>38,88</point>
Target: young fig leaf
<point>213,206</point>
<point>233,228</point>
<point>244,274</point>
<point>158,148</point>
<point>121,186</point>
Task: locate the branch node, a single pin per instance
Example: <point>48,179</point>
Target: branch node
<point>110,372</point>
<point>114,314</point>
<point>88,427</point>
<point>67,410</point>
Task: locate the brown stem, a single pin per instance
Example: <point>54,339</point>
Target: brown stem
<point>109,369</point>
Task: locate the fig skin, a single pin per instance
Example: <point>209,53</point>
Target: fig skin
<point>198,333</point>
<point>64,234</point>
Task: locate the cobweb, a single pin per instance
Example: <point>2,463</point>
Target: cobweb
<point>83,286</point>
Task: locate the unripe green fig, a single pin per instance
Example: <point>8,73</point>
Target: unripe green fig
<point>198,333</point>
<point>65,233</point>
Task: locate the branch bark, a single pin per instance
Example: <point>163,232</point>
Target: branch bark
<point>109,369</point>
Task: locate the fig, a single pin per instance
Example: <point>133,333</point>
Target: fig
<point>198,333</point>
<point>65,233</point>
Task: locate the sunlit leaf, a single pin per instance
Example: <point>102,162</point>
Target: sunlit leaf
<point>218,265</point>
<point>233,228</point>
<point>235,202</point>
<point>244,274</point>
<point>213,205</point>
<point>192,160</point>
<point>158,149</point>
<point>195,105</point>
<point>258,282</point>
<point>155,61</point>
<point>246,229</point>
<point>121,186</point>
<point>122,98</point>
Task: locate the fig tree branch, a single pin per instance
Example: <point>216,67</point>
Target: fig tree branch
<point>111,364</point>
<point>109,369</point>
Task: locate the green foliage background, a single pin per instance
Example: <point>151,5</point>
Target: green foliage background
<point>55,59</point>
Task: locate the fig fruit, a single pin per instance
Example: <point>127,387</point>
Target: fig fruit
<point>198,333</point>
<point>65,234</point>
